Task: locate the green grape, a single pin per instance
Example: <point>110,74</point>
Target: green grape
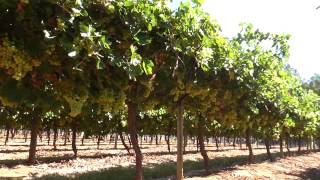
<point>17,62</point>
<point>76,101</point>
<point>106,97</point>
<point>76,104</point>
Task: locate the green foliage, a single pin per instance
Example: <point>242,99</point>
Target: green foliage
<point>80,61</point>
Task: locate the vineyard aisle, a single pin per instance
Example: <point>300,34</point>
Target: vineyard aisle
<point>228,162</point>
<point>141,89</point>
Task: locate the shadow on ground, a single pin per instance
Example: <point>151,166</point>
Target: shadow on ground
<point>168,170</point>
<point>308,174</point>
<point>56,159</point>
<point>311,173</point>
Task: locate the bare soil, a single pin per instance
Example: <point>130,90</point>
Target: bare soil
<point>305,166</point>
<point>13,156</point>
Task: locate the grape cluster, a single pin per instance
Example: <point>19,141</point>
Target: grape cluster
<point>17,63</point>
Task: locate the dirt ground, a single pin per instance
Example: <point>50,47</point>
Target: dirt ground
<point>90,159</point>
<point>299,167</point>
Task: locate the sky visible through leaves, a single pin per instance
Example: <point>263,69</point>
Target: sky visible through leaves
<point>299,18</point>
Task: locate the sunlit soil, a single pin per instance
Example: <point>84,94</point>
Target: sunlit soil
<point>14,154</point>
<point>299,167</point>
